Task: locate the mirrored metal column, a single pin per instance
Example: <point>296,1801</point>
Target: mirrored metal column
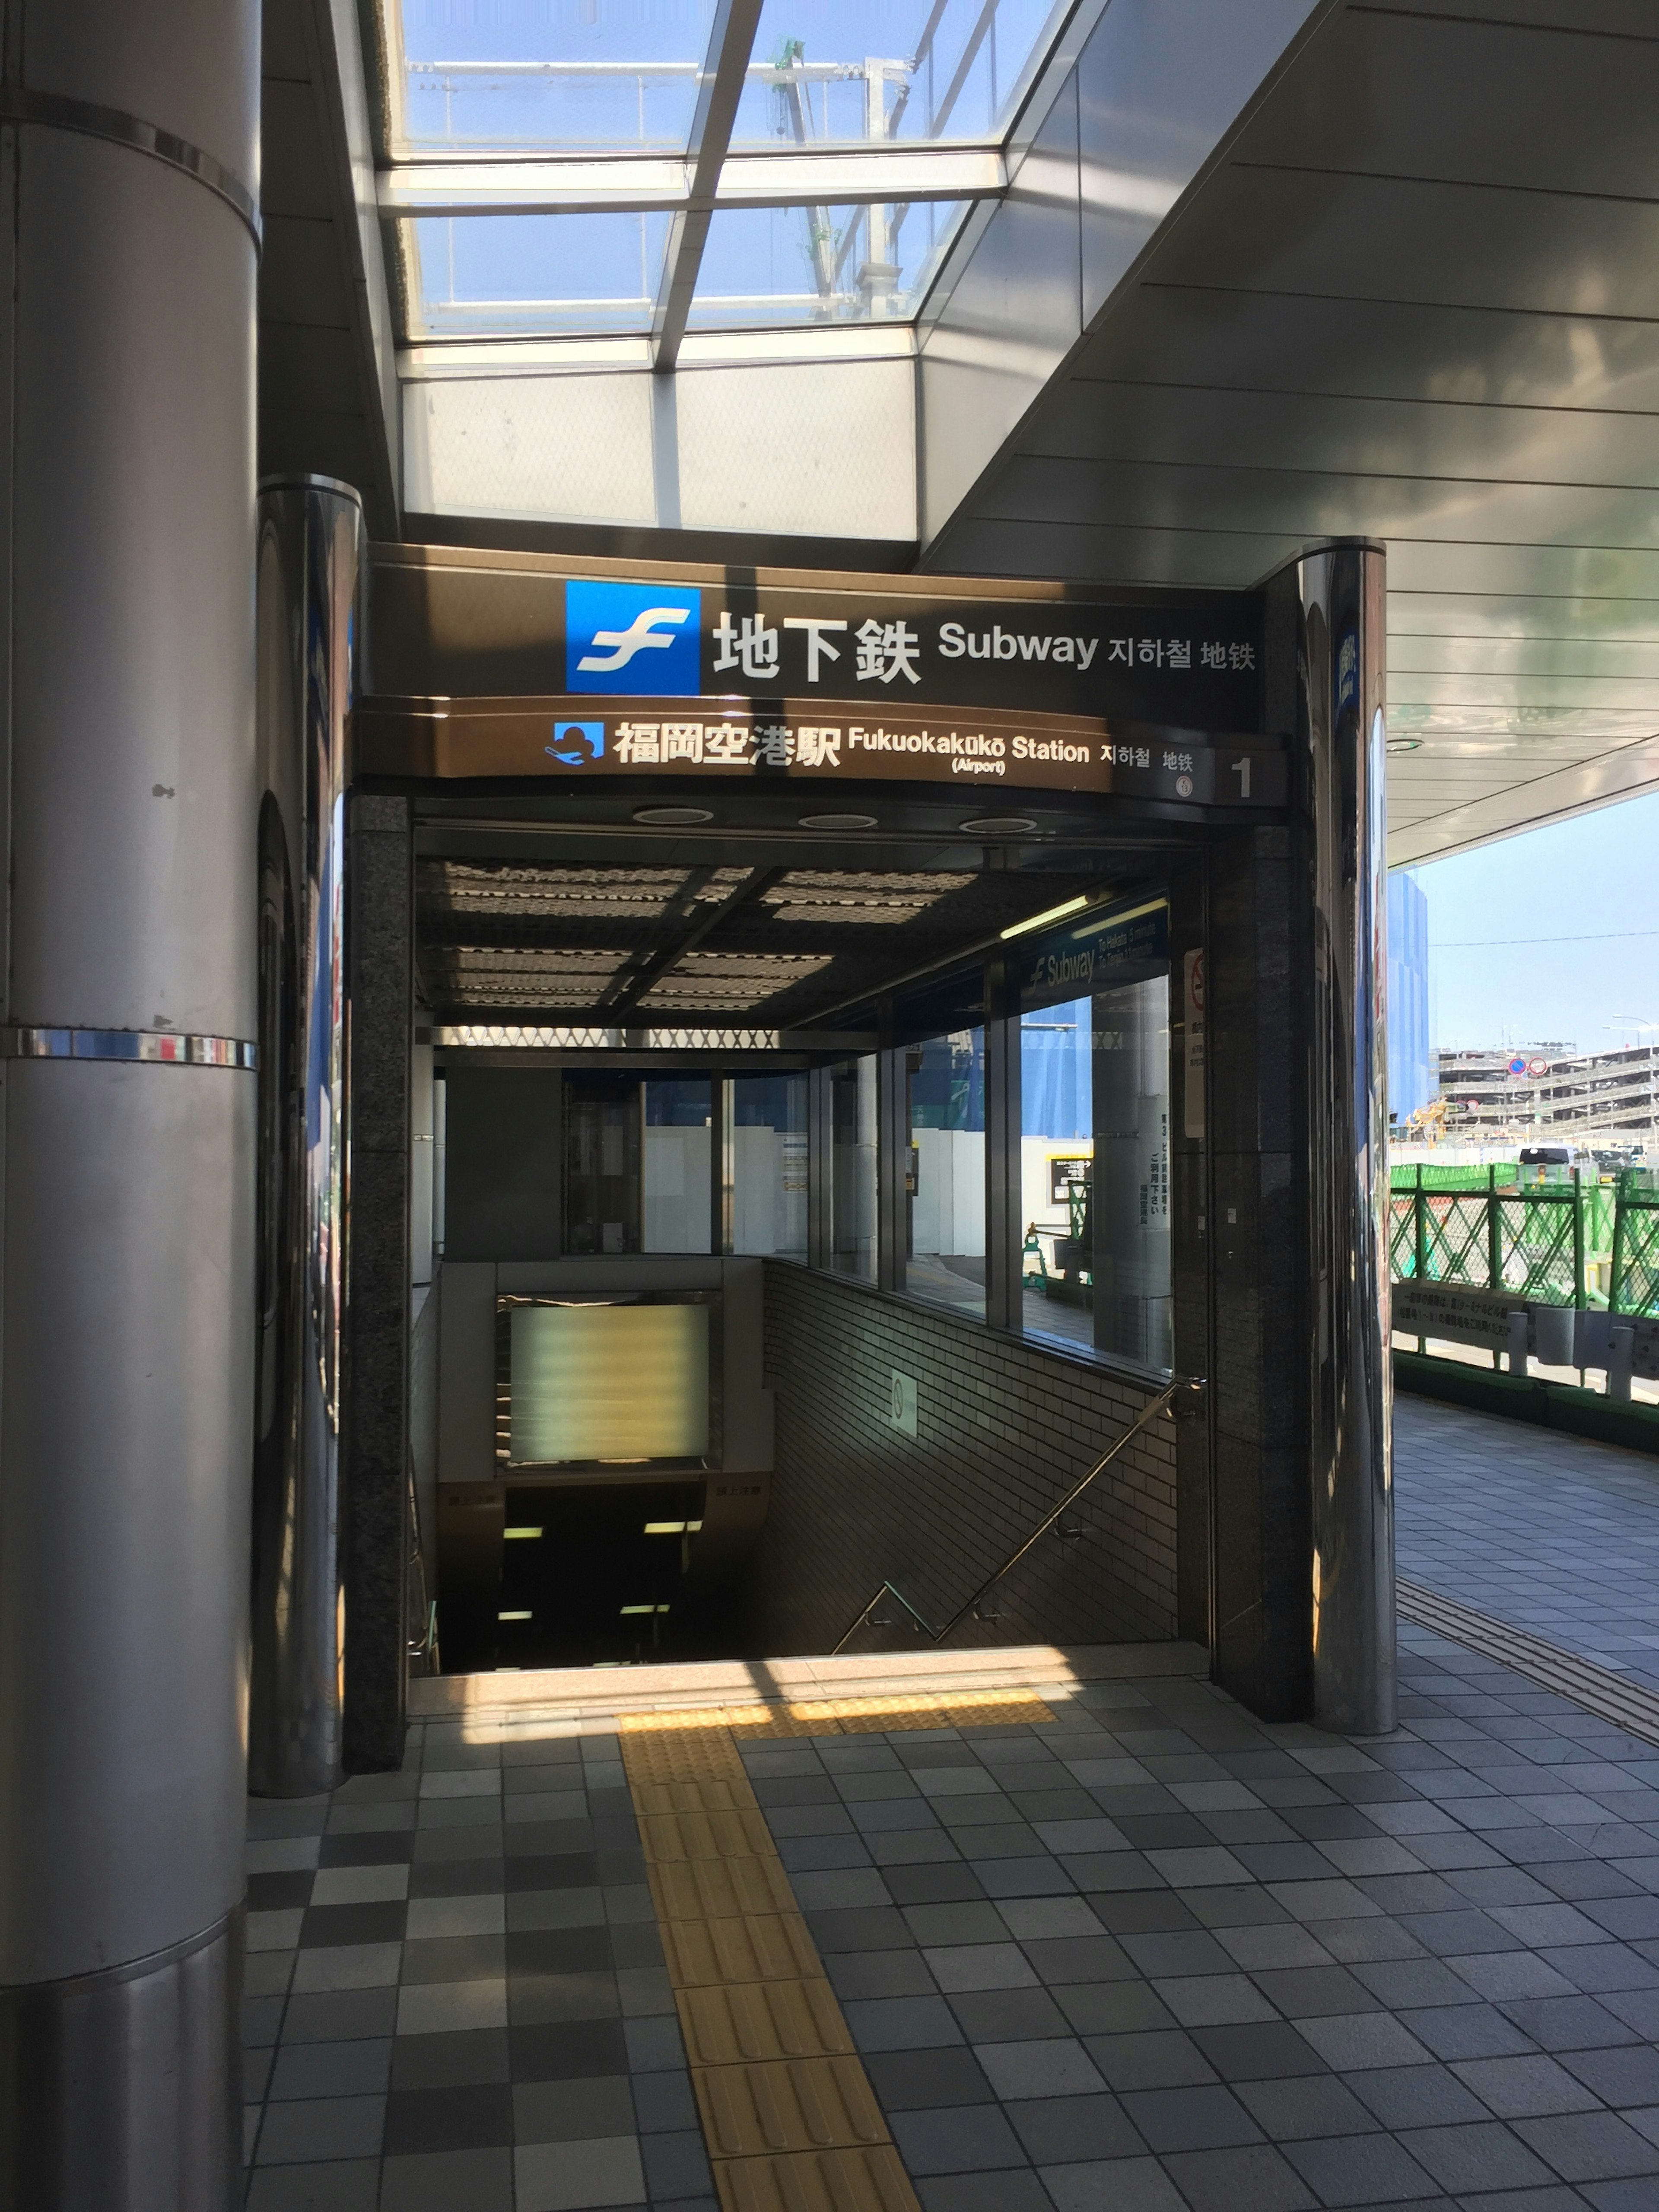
<point>1342,607</point>
<point>128,167</point>
<point>311,540</point>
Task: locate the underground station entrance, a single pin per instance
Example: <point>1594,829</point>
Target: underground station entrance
<point>829,1060</point>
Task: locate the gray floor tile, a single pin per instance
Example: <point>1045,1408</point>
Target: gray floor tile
<point>1590,2146</point>
<point>449,2181</point>
<point>1479,2155</point>
<point>1008,2016</point>
<point>353,2186</point>
<point>915,2081</point>
<point>1415,2096</point>
<point>1306,2105</point>
<point>1360,2170</point>
<point>901,2023</point>
<point>1057,2067</point>
<point>1255,2177</point>
<point>1121,2184</point>
<point>1015,2191</point>
<point>957,2139</point>
<point>1525,2088</point>
<point>1067,2131</point>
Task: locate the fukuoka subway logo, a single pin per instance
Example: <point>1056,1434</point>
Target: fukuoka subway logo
<point>575,744</point>
<point>633,638</point>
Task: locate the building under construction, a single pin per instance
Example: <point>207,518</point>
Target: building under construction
<point>1549,1092</point>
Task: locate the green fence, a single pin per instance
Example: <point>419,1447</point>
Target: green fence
<point>1563,1239</point>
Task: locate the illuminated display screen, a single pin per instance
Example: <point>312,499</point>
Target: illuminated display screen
<point>608,1382</point>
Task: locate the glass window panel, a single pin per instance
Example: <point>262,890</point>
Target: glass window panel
<point>679,1113</point>
<point>853,1168</point>
<point>821,264</point>
<point>572,77</point>
<point>945,1088</point>
<point>769,1197</point>
<point>528,274</point>
<point>857,71</point>
<point>1095,1172</point>
<point>602,1139</point>
<point>637,1164</point>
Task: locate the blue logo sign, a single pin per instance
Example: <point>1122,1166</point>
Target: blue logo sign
<point>633,637</point>
<point>575,744</point>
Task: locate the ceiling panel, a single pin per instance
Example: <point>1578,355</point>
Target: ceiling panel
<point>1456,440</point>
<point>1376,238</point>
<point>1416,299</point>
<point>1412,114</point>
<point>1215,336</point>
<point>1309,505</point>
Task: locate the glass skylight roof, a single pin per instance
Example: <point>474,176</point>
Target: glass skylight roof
<point>819,264</point>
<point>541,151</point>
<point>857,72</point>
<point>536,274</point>
<point>564,76</point>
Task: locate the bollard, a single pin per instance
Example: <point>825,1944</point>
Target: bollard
<point>1621,1358</point>
<point>1555,1336</point>
<point>1517,1345</point>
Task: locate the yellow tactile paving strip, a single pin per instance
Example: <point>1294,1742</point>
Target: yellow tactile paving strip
<point>789,2114</point>
<point>845,1716</point>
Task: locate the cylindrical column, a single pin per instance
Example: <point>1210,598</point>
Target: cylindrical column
<point>311,536</point>
<point>128,180</point>
<point>1342,595</point>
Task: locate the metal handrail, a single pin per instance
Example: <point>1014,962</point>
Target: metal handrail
<point>1182,1385</point>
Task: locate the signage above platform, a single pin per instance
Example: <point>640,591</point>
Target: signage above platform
<point>572,736</point>
<point>1093,950</point>
<point>1189,663</point>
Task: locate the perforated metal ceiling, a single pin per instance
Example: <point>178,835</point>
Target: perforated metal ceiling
<point>777,944</point>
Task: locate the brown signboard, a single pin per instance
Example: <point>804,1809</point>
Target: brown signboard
<point>576,737</point>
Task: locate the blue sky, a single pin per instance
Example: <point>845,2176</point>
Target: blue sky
<point>1551,936</point>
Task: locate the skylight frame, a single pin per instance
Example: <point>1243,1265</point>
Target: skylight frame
<point>484,180</point>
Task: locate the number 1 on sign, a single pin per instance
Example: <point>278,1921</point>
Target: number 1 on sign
<point>1241,770</point>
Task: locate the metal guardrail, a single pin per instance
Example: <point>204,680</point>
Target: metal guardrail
<point>1184,1386</point>
<point>1568,1240</point>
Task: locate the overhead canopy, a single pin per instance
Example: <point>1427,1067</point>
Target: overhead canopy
<point>1147,294</point>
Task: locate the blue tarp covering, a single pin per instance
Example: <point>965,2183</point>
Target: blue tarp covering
<point>1055,1078</point>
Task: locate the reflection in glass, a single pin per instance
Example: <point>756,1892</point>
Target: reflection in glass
<point>859,71</point>
<point>853,1168</point>
<point>525,274</point>
<point>602,1150</point>
<point>768,1207</point>
<point>679,1114</point>
<point>1095,1172</point>
<point>945,1086</point>
<point>820,264</point>
<point>636,1164</point>
<point>599,77</point>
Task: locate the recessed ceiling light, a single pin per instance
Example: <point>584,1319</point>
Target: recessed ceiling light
<point>672,817</point>
<point>837,821</point>
<point>1000,825</point>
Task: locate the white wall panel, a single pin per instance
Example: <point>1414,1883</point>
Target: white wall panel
<point>813,449</point>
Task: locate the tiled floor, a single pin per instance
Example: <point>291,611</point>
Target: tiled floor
<point>1552,1532</point>
<point>1156,1956</point>
<point>457,1973</point>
